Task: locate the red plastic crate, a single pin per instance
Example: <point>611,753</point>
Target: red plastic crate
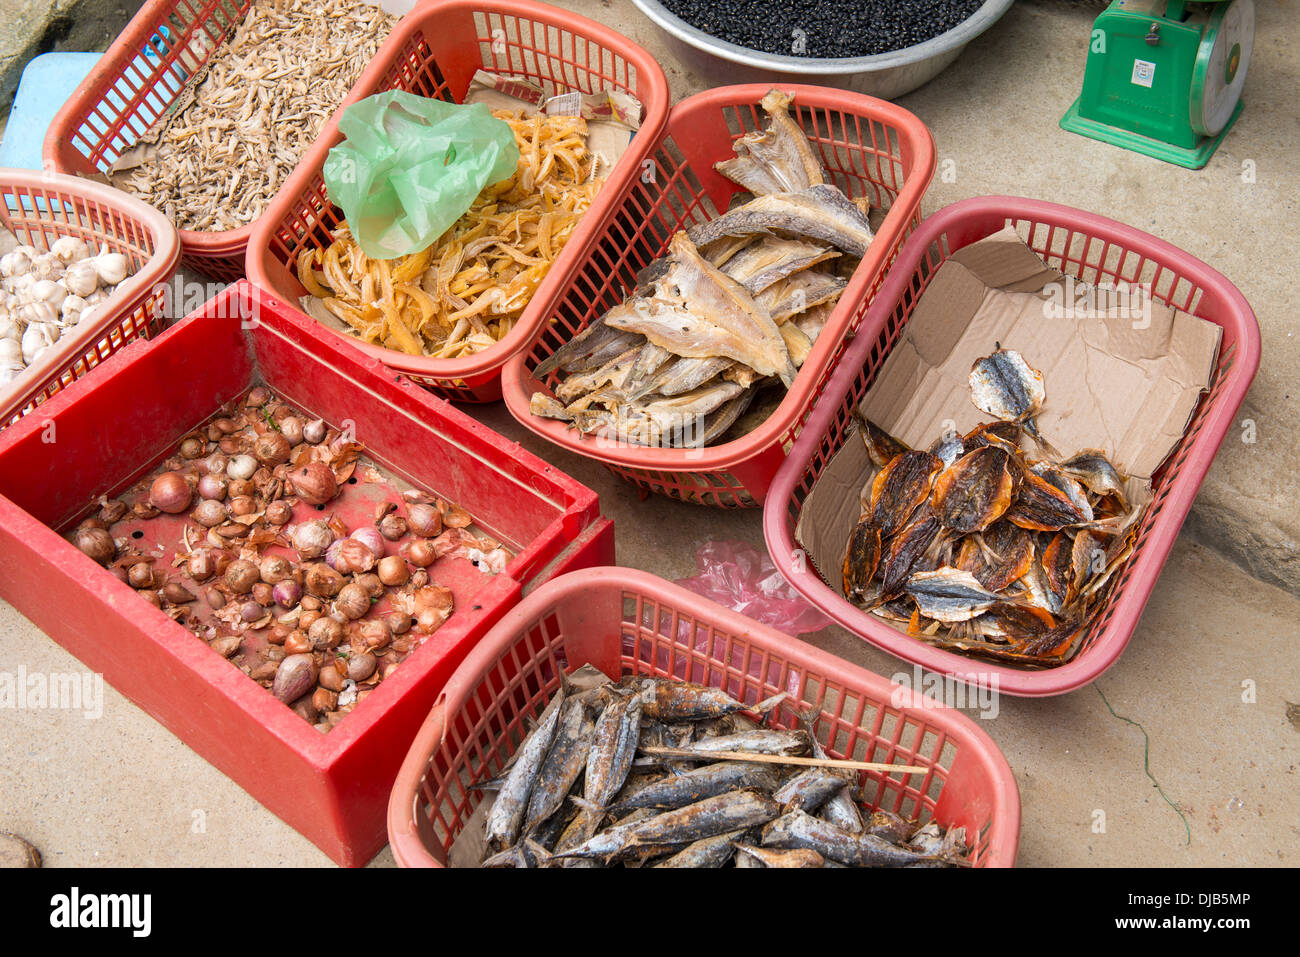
<point>333,787</point>
<point>39,208</point>
<point>624,621</point>
<point>126,92</point>
<point>1091,249</point>
<point>868,147</point>
<point>434,52</point>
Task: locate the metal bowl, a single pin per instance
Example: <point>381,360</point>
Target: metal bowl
<point>886,75</point>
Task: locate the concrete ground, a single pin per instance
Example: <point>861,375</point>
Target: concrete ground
<point>1210,673</point>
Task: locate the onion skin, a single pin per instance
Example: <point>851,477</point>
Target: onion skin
<point>315,483</point>
<point>170,493</point>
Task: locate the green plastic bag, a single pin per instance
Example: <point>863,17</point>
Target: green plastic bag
<point>411,166</point>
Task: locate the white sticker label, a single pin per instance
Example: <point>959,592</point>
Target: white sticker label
<point>1144,73</point>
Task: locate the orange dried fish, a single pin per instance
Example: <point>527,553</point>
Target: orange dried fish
<point>862,557</point>
<point>900,488</point>
<point>974,492</point>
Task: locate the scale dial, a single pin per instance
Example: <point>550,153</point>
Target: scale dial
<point>1221,65</point>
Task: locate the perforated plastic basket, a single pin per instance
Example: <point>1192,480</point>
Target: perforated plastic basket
<point>1089,248</point>
<point>434,52</point>
<point>869,147</point>
<point>136,81</point>
<point>629,622</point>
<point>39,209</point>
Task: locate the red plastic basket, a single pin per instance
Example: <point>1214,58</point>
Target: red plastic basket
<point>115,426</point>
<point>128,89</point>
<point>629,622</point>
<point>1091,249</point>
<point>40,208</point>
<point>434,52</point>
<point>868,146</point>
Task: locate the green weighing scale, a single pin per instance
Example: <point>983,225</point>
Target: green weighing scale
<point>1164,77</point>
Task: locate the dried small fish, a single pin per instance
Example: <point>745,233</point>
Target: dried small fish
<point>613,746</point>
<point>862,557</point>
<point>1004,386</point>
<point>508,810</point>
<point>796,857</point>
<point>699,783</point>
<point>1093,469</point>
<point>819,212</point>
<point>777,159</point>
<point>800,830</point>
<point>974,492</point>
<point>664,700</point>
<point>707,852</point>
<point>753,742</point>
<point>712,816</point>
<point>950,595</point>
<point>900,489</point>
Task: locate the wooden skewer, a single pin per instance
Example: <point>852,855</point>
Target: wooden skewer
<point>657,752</point>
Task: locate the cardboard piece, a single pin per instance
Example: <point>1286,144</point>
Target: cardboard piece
<point>1123,373</point>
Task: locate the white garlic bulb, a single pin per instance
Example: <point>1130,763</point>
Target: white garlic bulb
<point>47,290</point>
<point>37,339</point>
<point>10,371</point>
<point>15,263</point>
<point>81,278</point>
<point>111,268</point>
<point>47,266</point>
<point>72,308</point>
<point>37,312</point>
<point>90,312</point>
<point>11,352</point>
<point>70,249</point>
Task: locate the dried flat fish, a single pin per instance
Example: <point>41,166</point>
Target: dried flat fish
<point>589,349</point>
<point>950,595</point>
<point>819,212</point>
<point>862,557</point>
<point>881,446</point>
<point>1093,469</point>
<point>770,259</point>
<point>777,159</point>
<point>905,549</point>
<point>1004,386</point>
<point>1041,506</point>
<point>900,489</point>
<point>974,492</point>
<point>790,297</point>
<point>697,312</point>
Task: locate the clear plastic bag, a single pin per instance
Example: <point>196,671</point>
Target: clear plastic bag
<point>740,577</point>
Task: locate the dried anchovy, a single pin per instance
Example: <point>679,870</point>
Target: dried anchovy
<point>248,117</point>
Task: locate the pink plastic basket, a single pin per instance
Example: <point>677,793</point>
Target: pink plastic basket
<point>1089,248</point>
<point>629,622</point>
<point>39,208</point>
<point>868,147</point>
<point>435,52</point>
